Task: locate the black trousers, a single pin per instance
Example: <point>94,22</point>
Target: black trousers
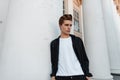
<point>78,77</point>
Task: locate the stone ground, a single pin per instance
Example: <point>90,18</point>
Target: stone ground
<point>116,76</point>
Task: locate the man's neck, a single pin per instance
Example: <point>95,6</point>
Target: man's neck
<point>64,35</point>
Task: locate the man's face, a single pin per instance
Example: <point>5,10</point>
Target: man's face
<point>66,27</point>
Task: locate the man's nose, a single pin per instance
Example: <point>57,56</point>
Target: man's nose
<point>69,26</point>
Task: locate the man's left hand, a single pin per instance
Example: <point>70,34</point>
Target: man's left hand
<point>88,78</point>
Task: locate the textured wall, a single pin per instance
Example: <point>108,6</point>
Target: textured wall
<point>3,16</point>
<point>30,26</point>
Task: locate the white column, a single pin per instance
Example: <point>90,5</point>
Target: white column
<point>70,6</point>
<point>95,40</point>
<point>70,11</point>
<point>3,14</point>
<point>31,25</point>
<point>112,31</point>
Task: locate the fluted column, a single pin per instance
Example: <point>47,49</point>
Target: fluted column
<point>95,40</point>
<point>112,27</point>
<point>31,25</point>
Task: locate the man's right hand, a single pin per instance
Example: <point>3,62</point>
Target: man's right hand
<point>53,78</point>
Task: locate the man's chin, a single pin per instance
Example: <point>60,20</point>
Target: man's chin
<point>67,33</point>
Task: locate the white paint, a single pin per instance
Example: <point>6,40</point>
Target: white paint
<point>3,15</point>
<point>112,27</point>
<point>95,39</point>
<point>70,11</point>
<point>31,25</point>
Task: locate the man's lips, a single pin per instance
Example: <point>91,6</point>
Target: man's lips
<point>68,31</point>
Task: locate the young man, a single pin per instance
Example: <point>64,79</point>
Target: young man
<point>68,56</point>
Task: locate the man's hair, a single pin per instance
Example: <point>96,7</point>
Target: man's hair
<point>65,17</point>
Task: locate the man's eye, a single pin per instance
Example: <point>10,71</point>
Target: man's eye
<point>66,24</point>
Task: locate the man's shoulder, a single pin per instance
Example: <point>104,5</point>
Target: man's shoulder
<point>75,37</point>
<point>54,41</point>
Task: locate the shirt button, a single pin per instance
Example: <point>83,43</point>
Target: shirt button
<point>71,77</point>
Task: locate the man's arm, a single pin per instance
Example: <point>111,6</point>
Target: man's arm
<point>53,78</point>
<point>85,60</point>
<point>53,59</point>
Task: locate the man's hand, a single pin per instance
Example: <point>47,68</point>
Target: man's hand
<point>88,78</point>
<point>53,78</point>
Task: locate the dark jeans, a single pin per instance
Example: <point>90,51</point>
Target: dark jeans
<point>78,77</point>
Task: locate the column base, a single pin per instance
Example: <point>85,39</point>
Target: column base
<point>115,71</point>
<point>105,78</point>
<point>101,79</point>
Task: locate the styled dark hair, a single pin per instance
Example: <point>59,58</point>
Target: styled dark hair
<point>65,17</point>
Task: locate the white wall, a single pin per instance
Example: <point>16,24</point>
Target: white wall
<point>112,27</point>
<point>3,16</point>
<point>115,56</point>
<point>31,25</point>
<point>95,39</point>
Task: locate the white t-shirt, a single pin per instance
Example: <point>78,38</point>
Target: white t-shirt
<point>68,64</point>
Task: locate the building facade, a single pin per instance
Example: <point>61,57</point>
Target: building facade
<point>117,3</point>
<point>28,26</point>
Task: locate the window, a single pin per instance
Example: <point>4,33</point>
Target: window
<point>63,7</point>
<point>76,21</point>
